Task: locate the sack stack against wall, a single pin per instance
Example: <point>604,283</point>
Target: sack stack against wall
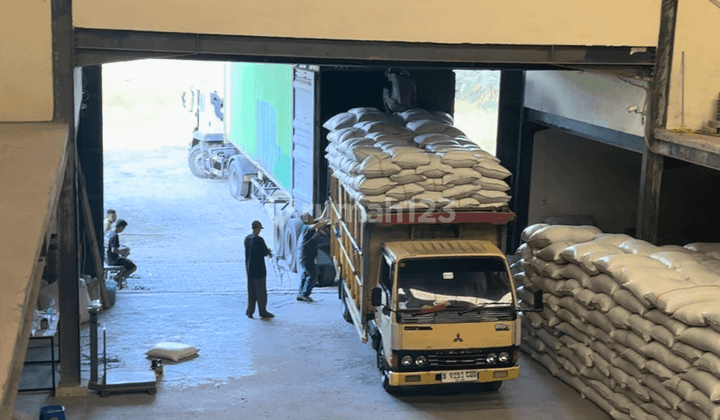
<point>414,159</point>
<point>633,327</point>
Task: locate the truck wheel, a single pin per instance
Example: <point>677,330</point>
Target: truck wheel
<point>292,242</point>
<point>195,162</point>
<point>239,167</point>
<point>384,378</point>
<point>346,312</point>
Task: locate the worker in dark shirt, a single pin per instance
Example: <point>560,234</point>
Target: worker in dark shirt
<point>255,253</point>
<point>308,253</point>
<point>116,254</point>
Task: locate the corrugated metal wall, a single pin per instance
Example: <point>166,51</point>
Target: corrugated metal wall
<point>259,115</point>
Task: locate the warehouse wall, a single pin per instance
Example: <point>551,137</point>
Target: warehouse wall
<point>575,176</point>
<point>561,22</point>
<point>588,97</point>
<point>696,34</point>
<point>26,82</point>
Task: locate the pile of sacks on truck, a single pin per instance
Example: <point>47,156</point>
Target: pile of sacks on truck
<point>633,327</point>
<point>412,159</point>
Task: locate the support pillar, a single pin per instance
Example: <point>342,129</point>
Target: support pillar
<point>90,151</point>
<point>67,210</point>
<point>653,163</point>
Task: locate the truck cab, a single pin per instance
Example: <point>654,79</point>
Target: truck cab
<point>445,311</point>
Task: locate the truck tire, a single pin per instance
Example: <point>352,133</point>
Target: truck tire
<point>292,235</point>
<point>239,168</point>
<point>346,312</point>
<point>195,162</point>
<point>278,230</point>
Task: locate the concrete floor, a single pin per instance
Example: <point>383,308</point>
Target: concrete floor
<point>307,363</point>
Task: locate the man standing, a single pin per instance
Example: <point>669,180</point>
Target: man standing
<point>308,253</point>
<point>255,253</point>
<point>111,218</point>
<point>116,254</point>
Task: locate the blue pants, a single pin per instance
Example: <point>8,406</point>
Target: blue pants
<point>307,277</point>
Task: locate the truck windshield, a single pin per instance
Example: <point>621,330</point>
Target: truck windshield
<point>455,282</point>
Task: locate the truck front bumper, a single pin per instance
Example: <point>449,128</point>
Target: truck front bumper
<point>436,377</point>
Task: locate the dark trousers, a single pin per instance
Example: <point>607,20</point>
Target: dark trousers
<point>257,292</point>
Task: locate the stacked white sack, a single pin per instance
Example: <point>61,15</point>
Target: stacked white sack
<point>413,159</point>
<point>633,327</point>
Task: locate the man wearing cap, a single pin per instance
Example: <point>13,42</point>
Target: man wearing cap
<point>255,253</point>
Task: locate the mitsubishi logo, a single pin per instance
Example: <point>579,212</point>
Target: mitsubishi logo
<point>457,338</point>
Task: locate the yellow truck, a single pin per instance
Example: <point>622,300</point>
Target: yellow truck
<point>430,289</point>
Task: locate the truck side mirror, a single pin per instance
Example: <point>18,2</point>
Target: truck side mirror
<point>376,296</point>
<point>538,303</point>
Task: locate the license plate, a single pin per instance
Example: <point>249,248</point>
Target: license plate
<point>459,376</point>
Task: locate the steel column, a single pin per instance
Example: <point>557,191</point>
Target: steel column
<point>652,164</point>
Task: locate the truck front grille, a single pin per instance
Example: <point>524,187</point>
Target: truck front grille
<point>457,359</point>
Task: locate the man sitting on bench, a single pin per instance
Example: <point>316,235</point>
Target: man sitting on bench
<point>116,254</point>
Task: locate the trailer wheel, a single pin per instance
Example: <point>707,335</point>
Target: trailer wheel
<point>195,162</point>
<point>239,167</point>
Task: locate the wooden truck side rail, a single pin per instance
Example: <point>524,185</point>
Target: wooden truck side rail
<point>358,235</point>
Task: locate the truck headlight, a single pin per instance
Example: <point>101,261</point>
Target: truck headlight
<point>491,358</point>
<point>503,357</point>
<point>421,361</point>
<point>407,361</point>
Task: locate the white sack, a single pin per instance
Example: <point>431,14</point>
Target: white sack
<point>341,120</point>
<point>378,166</point>
<point>552,252</point>
<point>704,247</point>
<point>701,338</point>
<point>414,114</point>
<point>488,196</point>
<point>423,140</point>
<point>435,169</point>
<point>574,234</point>
<point>359,154</point>
<point>459,191</point>
<point>334,136</point>
<point>464,203</point>
<point>407,176</point>
<point>426,126</point>
<point>530,230</point>
<point>443,116</point>
<point>671,301</point>
<point>694,314</point>
<point>491,169</point>
<point>461,176</point>
<point>639,247</point>
<point>491,184</point>
<point>583,254</point>
<point>409,157</point>
<point>458,158</point>
<point>404,192</point>
<point>433,184</point>
<point>372,186</point>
